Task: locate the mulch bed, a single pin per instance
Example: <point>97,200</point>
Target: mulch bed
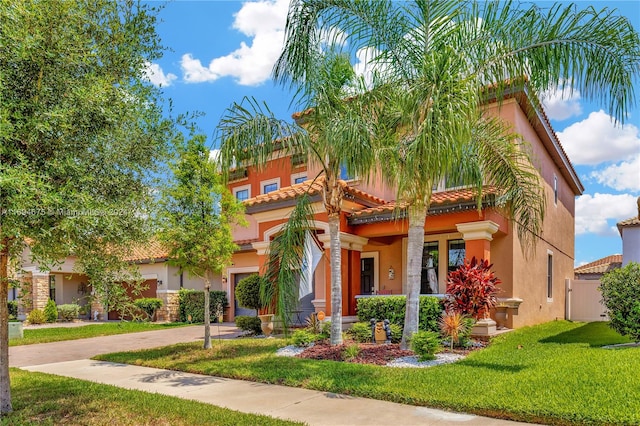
<point>369,353</point>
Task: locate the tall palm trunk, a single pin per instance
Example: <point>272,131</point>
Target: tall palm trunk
<point>417,217</point>
<point>333,203</point>
<point>5,389</point>
<point>207,314</point>
<point>336,279</point>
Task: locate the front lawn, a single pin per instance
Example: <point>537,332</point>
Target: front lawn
<point>554,373</point>
<point>57,334</point>
<point>44,399</point>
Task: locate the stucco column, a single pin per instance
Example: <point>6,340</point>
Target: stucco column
<point>351,246</point>
<point>477,238</point>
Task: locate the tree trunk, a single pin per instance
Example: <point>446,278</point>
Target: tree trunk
<point>336,279</point>
<point>5,388</point>
<point>207,314</point>
<point>415,246</point>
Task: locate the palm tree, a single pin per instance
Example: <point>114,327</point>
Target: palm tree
<point>333,130</point>
<point>447,60</point>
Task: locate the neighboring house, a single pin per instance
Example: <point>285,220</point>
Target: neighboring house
<point>374,237</point>
<point>597,268</point>
<point>64,285</point>
<point>630,233</point>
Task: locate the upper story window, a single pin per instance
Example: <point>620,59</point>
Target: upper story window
<point>267,186</point>
<point>344,174</point>
<point>242,192</point>
<point>555,190</point>
<point>298,178</point>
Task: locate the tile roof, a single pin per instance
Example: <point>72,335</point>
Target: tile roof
<point>312,187</point>
<point>634,221</point>
<point>600,266</point>
<point>152,250</point>
<point>438,199</point>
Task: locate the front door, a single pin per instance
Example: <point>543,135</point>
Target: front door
<point>366,276</point>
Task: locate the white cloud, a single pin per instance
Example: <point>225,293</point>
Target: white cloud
<point>624,176</point>
<point>593,212</point>
<point>597,140</point>
<point>562,103</point>
<point>250,64</point>
<point>157,77</point>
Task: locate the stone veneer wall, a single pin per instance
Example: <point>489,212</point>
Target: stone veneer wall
<point>169,309</point>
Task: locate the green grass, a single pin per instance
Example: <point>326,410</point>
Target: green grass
<point>57,334</point>
<point>554,373</point>
<point>43,399</point>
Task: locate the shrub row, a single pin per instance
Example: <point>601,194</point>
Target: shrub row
<point>191,304</point>
<point>393,308</point>
<point>12,305</point>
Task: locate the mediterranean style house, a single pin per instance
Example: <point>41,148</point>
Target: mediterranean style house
<point>374,240</point>
<point>374,237</point>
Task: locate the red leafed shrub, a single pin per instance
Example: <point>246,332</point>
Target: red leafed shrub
<point>471,289</point>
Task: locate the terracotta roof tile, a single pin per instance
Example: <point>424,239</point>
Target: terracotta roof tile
<point>600,266</point>
<point>151,250</point>
<point>312,187</point>
<point>437,199</point>
<point>634,221</point>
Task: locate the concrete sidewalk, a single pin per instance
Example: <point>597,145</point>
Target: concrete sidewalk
<point>311,407</point>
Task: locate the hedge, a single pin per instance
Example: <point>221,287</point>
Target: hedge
<point>393,308</point>
<point>191,303</point>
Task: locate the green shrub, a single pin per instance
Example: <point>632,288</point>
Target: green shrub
<point>149,305</point>
<point>621,295</point>
<point>50,311</point>
<point>350,352</point>
<point>314,325</point>
<point>360,332</point>
<point>36,317</point>
<point>326,330</point>
<point>69,311</point>
<point>247,323</point>
<point>303,337</point>
<point>248,292</point>
<point>393,308</point>
<point>472,288</point>
<point>12,305</point>
<point>191,304</point>
<point>425,344</point>
<point>396,333</point>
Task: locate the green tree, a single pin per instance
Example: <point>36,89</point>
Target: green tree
<point>447,59</point>
<point>81,132</point>
<point>621,295</point>
<point>197,216</point>
<point>248,292</point>
<point>334,133</point>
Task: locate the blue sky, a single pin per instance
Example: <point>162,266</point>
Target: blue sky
<point>221,51</point>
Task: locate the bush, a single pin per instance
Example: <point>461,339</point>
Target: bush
<point>12,306</point>
<point>393,308</point>
<point>396,333</point>
<point>425,344</point>
<point>351,352</point>
<point>248,292</point>
<point>246,323</point>
<point>455,326</point>
<point>191,304</point>
<point>149,305</point>
<point>303,337</point>
<point>360,332</point>
<point>621,295</point>
<point>471,289</point>
<point>326,330</point>
<point>50,311</point>
<point>36,317</point>
<point>69,311</point>
<point>314,325</point>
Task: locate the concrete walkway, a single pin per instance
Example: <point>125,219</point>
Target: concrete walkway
<point>312,407</point>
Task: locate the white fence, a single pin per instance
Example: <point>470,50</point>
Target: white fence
<point>584,301</point>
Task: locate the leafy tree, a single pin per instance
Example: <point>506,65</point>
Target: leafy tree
<point>446,59</point>
<point>621,295</point>
<point>197,216</point>
<point>332,132</point>
<point>248,292</point>
<point>81,132</point>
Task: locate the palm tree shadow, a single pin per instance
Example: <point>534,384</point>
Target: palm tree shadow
<point>594,334</point>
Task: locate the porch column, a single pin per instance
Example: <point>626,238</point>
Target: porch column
<point>477,238</point>
<point>261,250</point>
<point>351,246</point>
